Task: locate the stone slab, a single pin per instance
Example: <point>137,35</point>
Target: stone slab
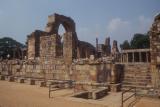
<point>2,77</point>
<point>115,87</point>
<point>11,79</point>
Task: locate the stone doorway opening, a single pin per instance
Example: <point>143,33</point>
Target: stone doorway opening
<point>61,32</point>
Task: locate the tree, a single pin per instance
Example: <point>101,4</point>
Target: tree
<point>7,46</point>
<point>125,45</point>
<point>140,41</point>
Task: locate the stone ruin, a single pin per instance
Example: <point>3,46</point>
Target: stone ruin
<point>108,46</point>
<point>68,60</point>
<point>155,51</point>
<point>47,44</point>
<point>103,49</point>
<point>115,51</point>
<point>51,59</point>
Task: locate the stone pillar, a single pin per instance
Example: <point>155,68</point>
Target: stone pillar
<point>140,57</point>
<point>133,57</point>
<point>69,47</point>
<point>147,59</point>
<point>115,50</point>
<point>124,57</point>
<point>121,57</point>
<point>78,53</point>
<point>127,57</point>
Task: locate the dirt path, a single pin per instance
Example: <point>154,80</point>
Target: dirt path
<point>22,95</point>
<point>148,102</point>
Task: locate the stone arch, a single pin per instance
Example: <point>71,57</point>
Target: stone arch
<point>70,37</point>
<point>61,30</point>
<point>54,22</point>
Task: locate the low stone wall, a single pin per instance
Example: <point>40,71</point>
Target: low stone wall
<point>92,73</point>
<point>79,72</point>
<point>93,94</point>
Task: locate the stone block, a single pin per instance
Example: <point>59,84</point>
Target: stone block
<point>20,80</point>
<point>2,77</point>
<point>66,85</point>
<point>31,81</point>
<point>85,95</point>
<point>43,84</point>
<point>99,93</point>
<point>115,87</point>
<point>11,79</point>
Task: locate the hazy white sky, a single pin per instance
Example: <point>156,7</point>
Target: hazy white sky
<point>119,19</point>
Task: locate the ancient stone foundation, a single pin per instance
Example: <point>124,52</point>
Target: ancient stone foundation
<point>67,62</point>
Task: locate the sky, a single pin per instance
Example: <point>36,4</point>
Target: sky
<point>117,19</point>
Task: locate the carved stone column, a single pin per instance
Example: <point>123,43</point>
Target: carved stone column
<point>121,58</point>
<point>140,57</point>
<point>147,59</point>
<point>133,57</point>
<point>127,57</point>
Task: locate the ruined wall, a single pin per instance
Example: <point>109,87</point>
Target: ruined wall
<point>50,47</point>
<point>108,46</point>
<point>31,47</point>
<point>154,34</point>
<point>98,73</point>
<point>47,44</point>
<point>69,47</point>
<point>92,73</point>
<point>85,49</point>
<point>33,44</point>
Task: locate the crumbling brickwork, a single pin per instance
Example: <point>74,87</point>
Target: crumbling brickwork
<point>108,46</point>
<point>72,59</point>
<point>33,44</point>
<point>155,50</point>
<point>47,44</point>
<point>50,47</point>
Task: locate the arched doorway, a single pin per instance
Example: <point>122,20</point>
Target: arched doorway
<point>61,32</point>
<point>69,38</point>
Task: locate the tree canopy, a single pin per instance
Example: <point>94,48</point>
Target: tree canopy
<point>7,46</point>
<point>125,45</point>
<point>139,41</point>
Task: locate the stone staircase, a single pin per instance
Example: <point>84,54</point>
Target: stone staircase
<point>136,75</point>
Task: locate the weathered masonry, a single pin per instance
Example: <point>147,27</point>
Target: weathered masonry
<point>155,51</point>
<point>51,57</point>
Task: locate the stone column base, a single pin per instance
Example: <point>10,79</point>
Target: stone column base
<point>11,79</point>
<point>115,87</point>
<point>31,81</point>
<point>43,84</point>
<point>2,77</point>
<point>20,80</point>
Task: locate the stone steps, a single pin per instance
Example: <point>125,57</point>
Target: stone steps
<point>137,75</point>
<point>138,88</point>
<point>137,78</point>
<point>136,82</point>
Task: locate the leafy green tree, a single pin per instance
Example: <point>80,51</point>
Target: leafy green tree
<point>125,45</point>
<point>140,41</point>
<point>7,46</point>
